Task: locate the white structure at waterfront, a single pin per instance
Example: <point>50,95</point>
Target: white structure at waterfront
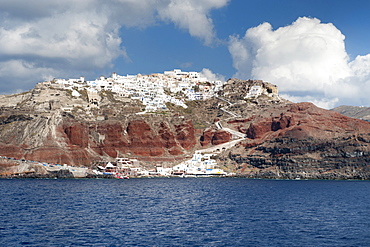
<point>154,90</point>
<point>199,165</point>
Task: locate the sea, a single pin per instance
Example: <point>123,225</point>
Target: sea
<point>184,212</point>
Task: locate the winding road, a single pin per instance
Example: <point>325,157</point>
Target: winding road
<point>218,148</point>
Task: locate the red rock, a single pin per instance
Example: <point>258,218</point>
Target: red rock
<point>77,134</point>
<point>11,151</point>
<point>185,135</point>
<point>59,156</point>
<point>175,151</point>
<point>259,128</point>
<point>304,120</point>
<point>167,137</point>
<point>143,141</point>
<point>207,136</point>
<point>214,137</point>
<point>221,136</point>
<point>108,139</point>
<point>282,122</point>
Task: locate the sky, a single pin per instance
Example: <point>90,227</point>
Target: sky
<point>313,50</point>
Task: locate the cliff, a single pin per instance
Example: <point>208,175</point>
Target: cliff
<point>302,141</point>
<point>48,124</point>
<point>276,138</point>
<point>62,140</point>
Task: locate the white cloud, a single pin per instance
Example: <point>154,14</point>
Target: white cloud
<point>193,15</point>
<point>306,59</point>
<point>76,37</point>
<point>320,102</point>
<point>58,38</point>
<point>207,73</point>
<point>18,74</point>
<point>360,67</point>
<point>242,61</point>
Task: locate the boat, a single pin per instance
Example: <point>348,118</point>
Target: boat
<point>121,176</point>
<point>190,176</point>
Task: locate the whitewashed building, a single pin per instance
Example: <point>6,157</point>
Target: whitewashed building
<point>150,89</point>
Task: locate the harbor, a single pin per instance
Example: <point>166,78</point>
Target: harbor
<point>200,165</point>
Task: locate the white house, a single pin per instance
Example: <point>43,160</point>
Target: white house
<point>150,89</point>
<point>254,91</point>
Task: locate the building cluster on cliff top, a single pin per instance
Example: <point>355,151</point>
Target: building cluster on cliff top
<point>153,90</point>
<point>156,90</point>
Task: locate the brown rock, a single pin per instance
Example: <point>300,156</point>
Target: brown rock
<point>77,134</point>
<point>185,135</point>
<point>143,141</point>
<point>11,151</point>
<point>108,139</point>
<point>220,137</point>
<point>214,137</point>
<point>304,117</point>
<point>167,137</point>
<point>207,136</point>
<point>302,140</point>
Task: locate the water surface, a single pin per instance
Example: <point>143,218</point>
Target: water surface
<point>184,212</point>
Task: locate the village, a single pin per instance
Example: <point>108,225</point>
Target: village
<point>200,165</point>
<point>154,90</point>
<point>175,86</point>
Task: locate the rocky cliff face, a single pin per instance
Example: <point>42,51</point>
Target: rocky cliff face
<point>72,142</point>
<point>50,125</point>
<point>282,139</point>
<point>302,141</point>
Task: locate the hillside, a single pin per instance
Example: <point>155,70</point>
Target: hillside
<point>302,141</point>
<point>252,135</point>
<point>354,111</point>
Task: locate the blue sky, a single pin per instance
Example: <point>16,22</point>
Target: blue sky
<point>173,47</point>
<point>313,50</point>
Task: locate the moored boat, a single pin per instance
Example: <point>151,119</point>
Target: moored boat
<point>120,176</point>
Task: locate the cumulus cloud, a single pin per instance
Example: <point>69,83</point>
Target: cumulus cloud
<point>320,101</point>
<point>306,59</point>
<point>70,38</point>
<point>16,75</point>
<point>207,73</point>
<point>55,38</point>
<point>193,16</point>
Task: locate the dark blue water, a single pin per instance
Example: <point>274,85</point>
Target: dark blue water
<point>184,212</point>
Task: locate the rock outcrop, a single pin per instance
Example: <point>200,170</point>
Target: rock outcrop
<point>214,137</point>
<point>303,141</point>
